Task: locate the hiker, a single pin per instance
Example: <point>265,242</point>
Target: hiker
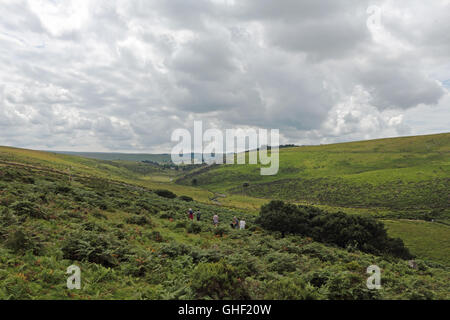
<point>198,215</point>
<point>215,220</point>
<point>242,225</point>
<point>235,223</point>
<point>191,214</point>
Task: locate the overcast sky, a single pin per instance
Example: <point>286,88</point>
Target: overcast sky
<point>122,75</point>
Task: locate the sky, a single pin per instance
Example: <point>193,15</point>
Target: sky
<point>123,75</point>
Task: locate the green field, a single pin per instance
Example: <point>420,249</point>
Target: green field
<point>428,240</point>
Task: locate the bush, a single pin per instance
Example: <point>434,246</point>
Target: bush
<point>346,285</point>
<point>282,262</point>
<point>167,215</point>
<point>186,198</point>
<point>174,249</point>
<point>146,205</point>
<point>137,219</point>
<point>221,231</point>
<point>165,193</point>
<point>194,228</point>
<point>217,281</point>
<point>363,233</point>
<point>94,247</point>
<point>181,225</point>
<point>290,289</point>
<point>155,236</point>
<point>62,188</point>
<point>7,218</point>
<point>19,242</point>
<point>28,209</point>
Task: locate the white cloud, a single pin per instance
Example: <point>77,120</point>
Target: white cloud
<point>121,75</point>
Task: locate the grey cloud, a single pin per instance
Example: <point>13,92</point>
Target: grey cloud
<point>134,71</point>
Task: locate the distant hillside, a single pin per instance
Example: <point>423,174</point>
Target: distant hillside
<point>160,158</point>
<point>397,173</point>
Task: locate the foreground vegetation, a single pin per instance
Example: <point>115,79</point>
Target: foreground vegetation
<point>132,243</point>
<point>125,225</point>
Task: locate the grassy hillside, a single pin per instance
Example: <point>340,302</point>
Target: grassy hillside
<point>398,173</point>
<point>57,210</point>
<point>136,173</point>
<point>133,244</point>
<point>161,158</point>
<point>425,239</point>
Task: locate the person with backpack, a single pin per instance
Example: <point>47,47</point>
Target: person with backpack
<point>198,215</point>
<point>215,220</point>
<point>191,214</point>
<point>235,223</point>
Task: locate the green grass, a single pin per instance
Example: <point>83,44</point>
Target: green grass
<point>401,178</point>
<point>427,240</point>
<point>161,259</point>
<point>400,173</point>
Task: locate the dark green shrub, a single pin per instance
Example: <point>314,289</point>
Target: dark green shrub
<point>363,233</point>
<point>194,228</point>
<point>244,263</point>
<point>174,249</point>
<point>19,242</point>
<point>155,236</point>
<point>281,262</point>
<point>319,251</point>
<point>94,247</point>
<point>98,214</point>
<point>217,280</point>
<point>290,289</point>
<point>346,285</point>
<point>137,219</point>
<point>186,198</point>
<point>7,218</point>
<point>181,224</point>
<point>62,188</point>
<point>220,231</point>
<point>206,255</point>
<point>167,215</point>
<point>92,226</point>
<point>28,209</point>
<point>165,193</point>
<point>140,264</point>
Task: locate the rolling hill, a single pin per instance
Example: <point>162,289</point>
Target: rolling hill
<point>104,216</point>
<point>131,243</point>
<point>407,173</point>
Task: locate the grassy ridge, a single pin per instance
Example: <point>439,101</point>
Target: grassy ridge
<point>141,174</point>
<point>161,158</point>
<point>400,173</point>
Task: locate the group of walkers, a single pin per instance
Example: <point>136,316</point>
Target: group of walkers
<point>235,223</point>
<point>191,213</point>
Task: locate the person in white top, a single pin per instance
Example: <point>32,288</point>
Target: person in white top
<point>242,225</point>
